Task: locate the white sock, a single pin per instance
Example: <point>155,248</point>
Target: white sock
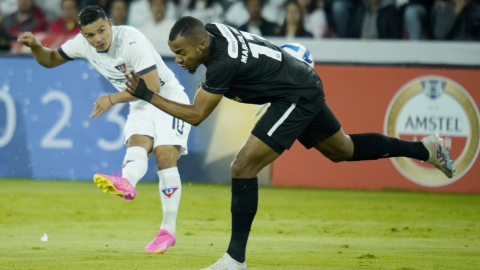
<point>135,164</point>
<point>170,192</point>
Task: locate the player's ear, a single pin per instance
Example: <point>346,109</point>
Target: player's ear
<point>110,22</point>
<point>202,45</point>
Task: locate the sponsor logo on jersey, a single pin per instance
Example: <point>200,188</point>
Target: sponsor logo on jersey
<point>119,82</point>
<point>434,104</point>
<point>169,191</point>
<point>237,99</point>
<point>126,162</point>
<point>232,42</point>
<point>122,68</point>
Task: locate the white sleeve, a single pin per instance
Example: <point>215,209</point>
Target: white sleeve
<point>73,48</point>
<point>137,51</point>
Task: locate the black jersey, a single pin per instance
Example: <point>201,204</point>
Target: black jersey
<point>249,69</point>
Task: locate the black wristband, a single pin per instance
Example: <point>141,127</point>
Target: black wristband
<point>142,92</point>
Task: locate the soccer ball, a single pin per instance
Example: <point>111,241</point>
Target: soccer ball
<point>298,51</point>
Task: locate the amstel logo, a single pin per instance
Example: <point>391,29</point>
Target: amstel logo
<point>434,104</point>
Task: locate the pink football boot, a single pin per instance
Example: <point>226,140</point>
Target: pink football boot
<point>115,185</point>
<point>161,243</point>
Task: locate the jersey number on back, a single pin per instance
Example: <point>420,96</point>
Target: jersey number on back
<point>257,44</point>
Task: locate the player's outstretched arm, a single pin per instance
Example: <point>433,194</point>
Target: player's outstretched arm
<point>44,56</point>
<point>203,104</point>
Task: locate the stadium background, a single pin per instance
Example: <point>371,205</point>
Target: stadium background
<point>46,133</point>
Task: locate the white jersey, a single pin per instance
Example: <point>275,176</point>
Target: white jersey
<point>129,50</point>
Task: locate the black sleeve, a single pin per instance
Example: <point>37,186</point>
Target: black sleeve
<point>220,76</point>
<point>64,55</point>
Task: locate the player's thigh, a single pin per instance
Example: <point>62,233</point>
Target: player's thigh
<point>284,121</point>
<point>323,126</point>
<point>139,129</point>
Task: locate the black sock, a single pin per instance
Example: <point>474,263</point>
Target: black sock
<point>414,150</point>
<point>244,208</point>
<point>371,146</point>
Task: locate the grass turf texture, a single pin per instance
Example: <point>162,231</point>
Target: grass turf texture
<point>293,229</point>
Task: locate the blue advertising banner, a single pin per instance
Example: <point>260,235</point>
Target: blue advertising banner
<point>46,132</point>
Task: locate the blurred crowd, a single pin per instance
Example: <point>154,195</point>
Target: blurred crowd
<point>55,20</point>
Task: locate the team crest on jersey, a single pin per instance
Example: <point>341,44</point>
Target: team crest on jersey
<point>169,191</point>
<point>122,68</point>
<point>435,104</point>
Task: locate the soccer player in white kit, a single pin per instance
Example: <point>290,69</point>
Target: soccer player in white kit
<point>114,51</point>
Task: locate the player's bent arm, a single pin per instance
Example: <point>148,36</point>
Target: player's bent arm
<point>47,57</point>
<point>121,97</point>
<point>44,56</point>
<point>152,80</point>
<point>203,105</point>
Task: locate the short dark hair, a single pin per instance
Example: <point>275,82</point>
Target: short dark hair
<point>188,27</point>
<point>90,14</point>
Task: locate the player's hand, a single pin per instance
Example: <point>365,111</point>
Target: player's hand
<point>137,87</point>
<point>28,39</point>
<point>102,104</point>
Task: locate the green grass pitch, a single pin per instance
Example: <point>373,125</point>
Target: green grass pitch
<point>294,228</point>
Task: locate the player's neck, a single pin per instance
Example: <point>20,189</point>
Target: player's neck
<point>208,51</point>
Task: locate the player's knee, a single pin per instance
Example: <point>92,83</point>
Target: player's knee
<point>235,168</point>
<point>166,160</point>
<point>240,169</point>
<point>337,156</point>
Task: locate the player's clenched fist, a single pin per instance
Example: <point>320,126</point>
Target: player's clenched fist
<point>28,39</point>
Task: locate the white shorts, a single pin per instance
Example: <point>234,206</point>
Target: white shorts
<point>146,119</point>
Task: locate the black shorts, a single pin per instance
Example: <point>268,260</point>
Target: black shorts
<point>284,122</point>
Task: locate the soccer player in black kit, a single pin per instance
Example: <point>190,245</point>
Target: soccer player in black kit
<point>249,69</point>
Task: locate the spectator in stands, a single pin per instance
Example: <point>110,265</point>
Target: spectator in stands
<point>377,19</point>
<point>416,16</point>
<point>160,26</point>
<point>174,11</point>
<point>206,11</point>
<point>28,18</point>
<point>274,11</point>
<point>51,9</point>
<point>67,23</point>
<point>257,24</point>
<point>119,12</point>
<point>293,24</point>
<point>315,19</point>
<point>342,12</point>
<point>456,20</point>
<point>8,7</point>
<point>237,14</point>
